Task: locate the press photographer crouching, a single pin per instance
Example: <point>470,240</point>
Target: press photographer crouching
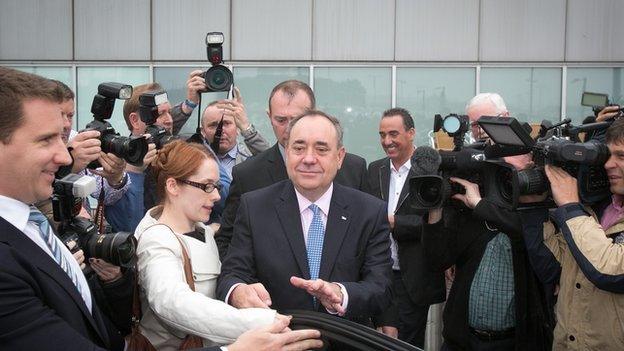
<point>588,244</point>
<point>495,302</point>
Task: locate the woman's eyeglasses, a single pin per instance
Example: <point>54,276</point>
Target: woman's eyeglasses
<point>207,187</point>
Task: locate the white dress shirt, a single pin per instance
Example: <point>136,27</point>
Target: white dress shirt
<point>16,213</point>
<point>397,180</point>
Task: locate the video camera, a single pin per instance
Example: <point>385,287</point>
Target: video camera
<point>598,102</point>
<point>217,77</point>
<point>470,162</point>
<point>148,111</point>
<point>130,149</point>
<point>116,248</point>
<point>558,145</point>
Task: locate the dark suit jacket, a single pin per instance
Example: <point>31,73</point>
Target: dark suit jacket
<point>268,247</point>
<point>424,286</point>
<point>40,309</point>
<point>268,168</point>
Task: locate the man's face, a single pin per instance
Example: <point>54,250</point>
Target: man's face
<point>67,108</point>
<point>210,120</point>
<point>164,120</point>
<point>313,156</point>
<point>283,108</point>
<point>615,168</point>
<point>34,153</point>
<point>397,142</point>
<point>475,112</point>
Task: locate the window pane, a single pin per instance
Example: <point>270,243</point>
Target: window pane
<point>425,92</point>
<point>357,96</point>
<point>531,94</point>
<point>89,78</point>
<point>595,80</point>
<point>62,74</point>
<point>173,79</point>
<point>256,83</point>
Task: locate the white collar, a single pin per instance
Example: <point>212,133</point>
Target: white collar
<point>14,212</point>
<point>323,201</point>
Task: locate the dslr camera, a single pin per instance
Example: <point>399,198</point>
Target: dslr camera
<point>470,162</point>
<point>148,111</point>
<point>117,248</point>
<point>557,145</point>
<point>218,77</point>
<point>130,149</point>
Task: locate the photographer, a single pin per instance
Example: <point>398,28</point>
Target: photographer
<point>126,213</point>
<point>495,302</point>
<point>588,245</point>
<point>235,122</point>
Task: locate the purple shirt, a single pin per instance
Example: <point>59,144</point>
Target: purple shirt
<point>613,212</point>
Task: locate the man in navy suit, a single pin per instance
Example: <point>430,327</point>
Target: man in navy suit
<point>309,242</point>
<point>45,300</point>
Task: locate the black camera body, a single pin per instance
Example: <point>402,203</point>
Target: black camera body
<point>148,111</point>
<point>468,162</point>
<point>559,145</point>
<point>130,149</point>
<point>218,77</point>
<point>116,248</point>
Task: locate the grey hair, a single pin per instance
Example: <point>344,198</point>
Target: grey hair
<point>334,121</point>
<point>492,98</point>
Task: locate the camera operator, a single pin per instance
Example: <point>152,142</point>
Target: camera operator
<point>588,243</point>
<point>495,302</point>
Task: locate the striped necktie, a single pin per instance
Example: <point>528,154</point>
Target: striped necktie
<point>53,244</point>
<point>316,233</point>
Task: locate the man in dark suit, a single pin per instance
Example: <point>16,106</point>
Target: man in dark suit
<point>415,287</point>
<point>287,100</point>
<point>309,242</point>
<point>45,300</point>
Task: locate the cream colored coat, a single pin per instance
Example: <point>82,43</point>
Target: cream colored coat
<point>171,309</point>
<point>587,318</point>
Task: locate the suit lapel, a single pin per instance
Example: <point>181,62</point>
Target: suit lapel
<point>277,168</point>
<point>287,208</point>
<point>15,238</point>
<point>406,186</point>
<point>384,179</point>
<point>337,224</point>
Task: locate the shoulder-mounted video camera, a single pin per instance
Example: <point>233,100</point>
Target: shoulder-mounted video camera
<point>130,149</point>
<point>116,248</point>
<point>557,145</point>
<point>470,162</point>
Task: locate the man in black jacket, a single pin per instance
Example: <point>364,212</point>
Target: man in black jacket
<point>415,286</point>
<point>287,100</point>
<point>496,302</point>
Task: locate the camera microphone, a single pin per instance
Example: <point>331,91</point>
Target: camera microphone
<point>425,161</point>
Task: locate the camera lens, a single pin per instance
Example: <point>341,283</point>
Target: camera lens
<point>117,248</point>
<point>131,150</point>
<point>428,191</point>
<point>218,78</point>
<point>532,181</point>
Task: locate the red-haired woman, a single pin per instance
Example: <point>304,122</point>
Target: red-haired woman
<point>187,180</point>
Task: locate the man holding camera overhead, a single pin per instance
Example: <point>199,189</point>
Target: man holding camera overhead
<point>495,302</point>
<point>589,246</point>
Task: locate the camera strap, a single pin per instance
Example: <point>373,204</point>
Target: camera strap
<point>99,211</point>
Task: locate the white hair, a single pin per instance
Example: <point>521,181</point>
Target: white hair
<point>491,98</point>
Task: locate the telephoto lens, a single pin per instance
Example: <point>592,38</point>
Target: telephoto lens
<point>116,248</point>
<point>132,150</point>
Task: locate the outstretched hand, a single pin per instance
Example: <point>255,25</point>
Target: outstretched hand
<point>328,294</point>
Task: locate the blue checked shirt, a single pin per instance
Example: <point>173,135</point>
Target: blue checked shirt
<point>491,304</point>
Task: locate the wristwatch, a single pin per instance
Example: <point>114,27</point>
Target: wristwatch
<point>251,130</point>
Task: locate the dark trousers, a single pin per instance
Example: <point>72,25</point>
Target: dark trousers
<point>490,345</point>
<point>412,317</point>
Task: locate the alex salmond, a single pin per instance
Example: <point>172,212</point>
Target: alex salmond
<point>308,242</point>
